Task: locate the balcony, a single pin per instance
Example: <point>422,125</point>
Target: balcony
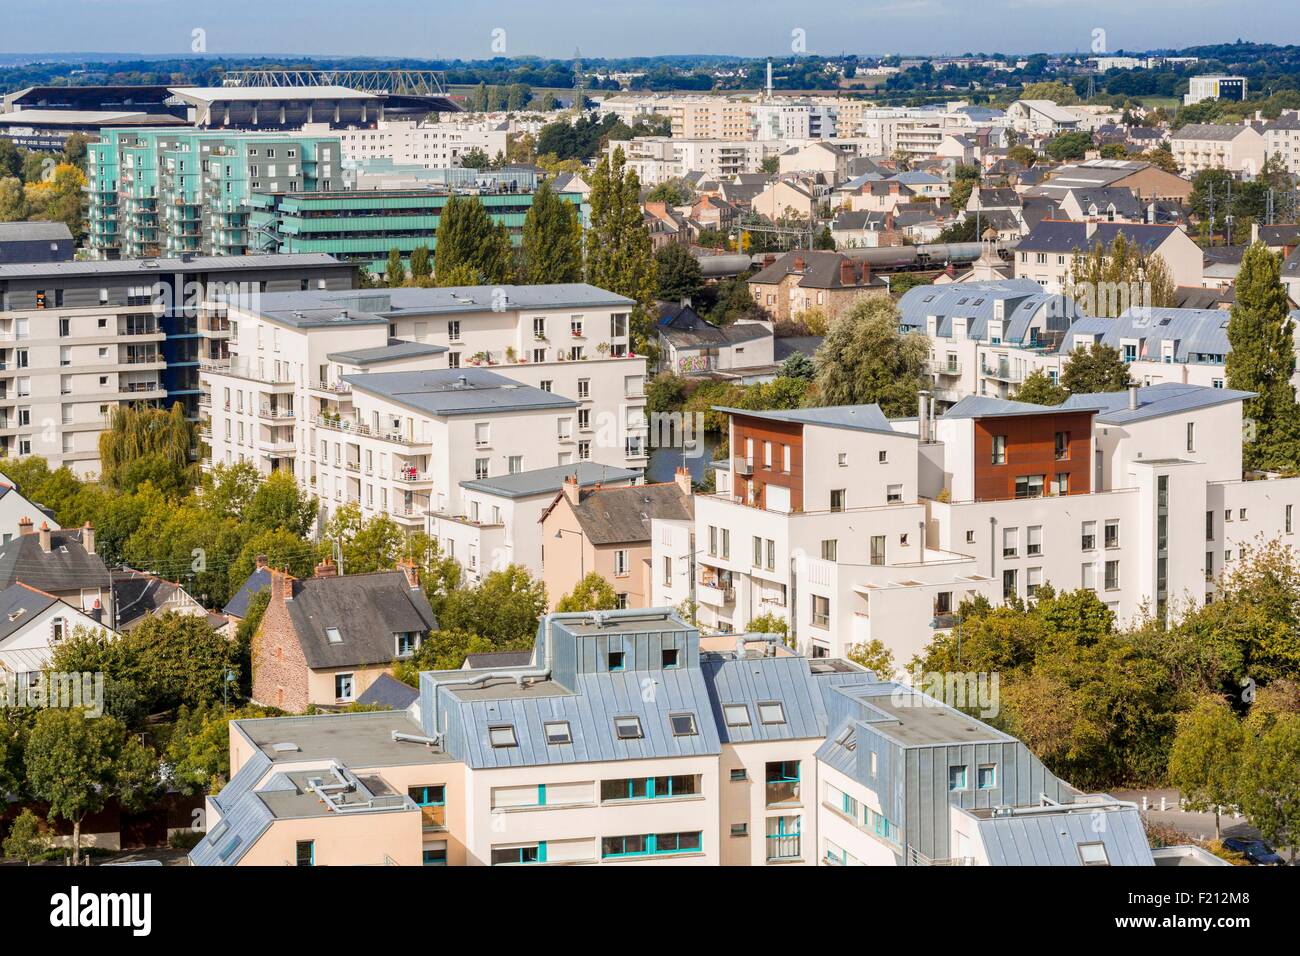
<point>947,369</point>
<point>332,388</point>
<point>412,476</point>
<point>274,413</point>
<point>742,466</point>
<point>783,846</point>
<point>715,593</point>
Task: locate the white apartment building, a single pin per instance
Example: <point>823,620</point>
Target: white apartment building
<point>1282,139</point>
<point>427,145</point>
<point>851,527</point>
<point>392,398</point>
<point>657,159</point>
<point>80,339</point>
<point>1236,148</point>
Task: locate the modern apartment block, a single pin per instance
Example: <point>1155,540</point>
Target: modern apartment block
<point>656,159</point>
<point>852,527</point>
<point>78,339</point>
<point>628,738</point>
<point>392,399</point>
<point>409,142</point>
<point>169,192</point>
<point>1237,148</point>
<point>362,227</point>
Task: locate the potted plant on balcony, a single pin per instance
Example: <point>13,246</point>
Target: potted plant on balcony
<point>602,348</point>
<point>511,355</point>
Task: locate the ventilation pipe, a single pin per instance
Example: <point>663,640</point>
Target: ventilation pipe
<point>1132,398</point>
<point>923,415</point>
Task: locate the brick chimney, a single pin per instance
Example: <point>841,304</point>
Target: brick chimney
<point>571,489</point>
<point>24,526</point>
<point>799,263</point>
<point>281,585</point>
<point>326,569</point>
<point>262,561</point>
<point>412,573</point>
<point>45,536</point>
<point>769,259</point>
<point>866,272</point>
<point>682,478</point>
<point>88,537</point>
<point>846,272</point>
<point>97,612</point>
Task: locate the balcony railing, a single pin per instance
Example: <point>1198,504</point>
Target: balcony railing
<point>784,846</point>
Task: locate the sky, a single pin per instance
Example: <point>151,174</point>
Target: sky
<point>479,30</point>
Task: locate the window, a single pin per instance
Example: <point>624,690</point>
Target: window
<point>877,549</point>
<point>999,449</point>
<point>539,328</point>
<point>407,643</point>
<point>1061,483</point>
<point>305,852</point>
<point>482,434</point>
<point>883,457</point>
<point>957,778</point>
<point>509,856</point>
<point>480,468</point>
<point>842,459</point>
<point>502,735</point>
<point>771,712</point>
<point>627,728</point>
<point>736,715</point>
<point>830,548</point>
<point>453,330</point>
<point>1010,542</point>
<point>758,552</point>
<point>650,788</point>
<point>434,854</point>
<point>739,775</point>
<point>558,732</point>
<point>837,499</point>
<point>821,611</point>
<point>1093,854</point>
<point>1062,446</point>
<point>683,725</point>
<point>986,777</point>
<point>1033,579</point>
<point>1191,436</point>
<point>740,829</point>
<point>333,636</point>
<point>1034,539</point>
<point>1088,538</point>
<point>1112,533</point>
<point>652,844</point>
<point>620,563</point>
<point>669,657</point>
<point>343,686</point>
<point>616,660</point>
<point>1287,523</point>
<point>1112,575</point>
<point>1029,486</point>
<point>893,493</point>
<point>1009,588</point>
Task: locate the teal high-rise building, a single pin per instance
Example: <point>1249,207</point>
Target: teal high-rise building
<point>166,192</point>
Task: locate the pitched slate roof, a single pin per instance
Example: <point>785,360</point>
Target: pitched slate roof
<point>821,271</point>
<point>1103,197</point>
<point>19,604</point>
<point>1154,401</point>
<point>622,515</point>
<point>255,583</point>
<point>388,691</point>
<point>686,329</point>
<point>67,566</point>
<point>1064,236</point>
<point>137,594</point>
<point>367,609</point>
<point>1211,131</point>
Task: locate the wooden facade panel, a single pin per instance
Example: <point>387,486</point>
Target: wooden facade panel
<point>1031,450</point>
<point>781,435</point>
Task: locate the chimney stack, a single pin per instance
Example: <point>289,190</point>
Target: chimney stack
<point>24,526</point>
<point>1132,397</point>
<point>799,263</point>
<point>923,415</point>
<point>571,489</point>
<point>97,612</point>
<point>846,272</point>
<point>88,537</point>
<point>281,585</point>
<point>682,477</point>
<point>326,569</point>
<point>45,536</point>
<point>769,259</point>
<point>412,573</point>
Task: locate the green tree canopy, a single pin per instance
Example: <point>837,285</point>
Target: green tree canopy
<point>592,593</point>
<point>468,240</point>
<point>1094,368</point>
<point>552,241</point>
<point>865,359</point>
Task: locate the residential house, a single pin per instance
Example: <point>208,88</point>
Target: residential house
<point>800,280</point>
<point>690,345</point>
<point>1239,149</point>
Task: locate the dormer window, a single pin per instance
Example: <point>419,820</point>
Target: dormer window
<point>408,643</point>
<point>616,660</point>
<point>736,715</point>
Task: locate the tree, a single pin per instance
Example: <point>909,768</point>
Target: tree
<point>445,650</point>
<point>1269,782</point>
<point>142,442</point>
<point>552,241</point>
<point>619,256</point>
<point>865,359</point>
<point>198,751</point>
<point>965,178</point>
<point>678,273</point>
<point>504,608</point>
<point>1095,368</point>
<point>1023,155</point>
<point>592,593</point>
<point>421,265</point>
<point>1114,151</point>
<point>825,239</point>
<point>874,656</point>
<point>27,841</point>
<point>468,239</point>
<point>672,191</point>
<point>798,365</point>
<point>13,200</point>
<point>76,764</point>
<point>1067,146</point>
<point>474,158</point>
<point>369,544</point>
<point>1262,360</point>
<point>1039,389</point>
<point>1062,94</point>
<point>395,270</point>
<point>1205,757</point>
<point>1107,280</point>
<point>177,659</point>
<point>280,504</point>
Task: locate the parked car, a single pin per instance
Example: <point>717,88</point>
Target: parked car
<point>1256,852</point>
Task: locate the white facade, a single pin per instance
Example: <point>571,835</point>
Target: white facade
<point>426,145</point>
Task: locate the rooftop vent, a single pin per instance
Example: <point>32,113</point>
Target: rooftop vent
<point>285,747</point>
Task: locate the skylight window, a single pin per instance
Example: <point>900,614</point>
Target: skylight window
<point>1093,854</point>
<point>503,735</point>
<point>558,732</point>
<point>627,728</point>
<point>771,712</point>
<point>736,715</point>
<point>333,635</point>
<point>683,725</point>
<point>218,832</point>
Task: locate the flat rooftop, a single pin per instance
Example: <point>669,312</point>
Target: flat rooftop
<point>923,722</point>
<point>354,740</point>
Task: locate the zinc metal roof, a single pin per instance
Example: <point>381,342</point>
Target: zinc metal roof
<point>1195,331</point>
<point>1153,401</point>
<point>540,481</point>
<point>861,417</point>
<point>463,391</point>
<point>1052,838</point>
<point>1024,300</point>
